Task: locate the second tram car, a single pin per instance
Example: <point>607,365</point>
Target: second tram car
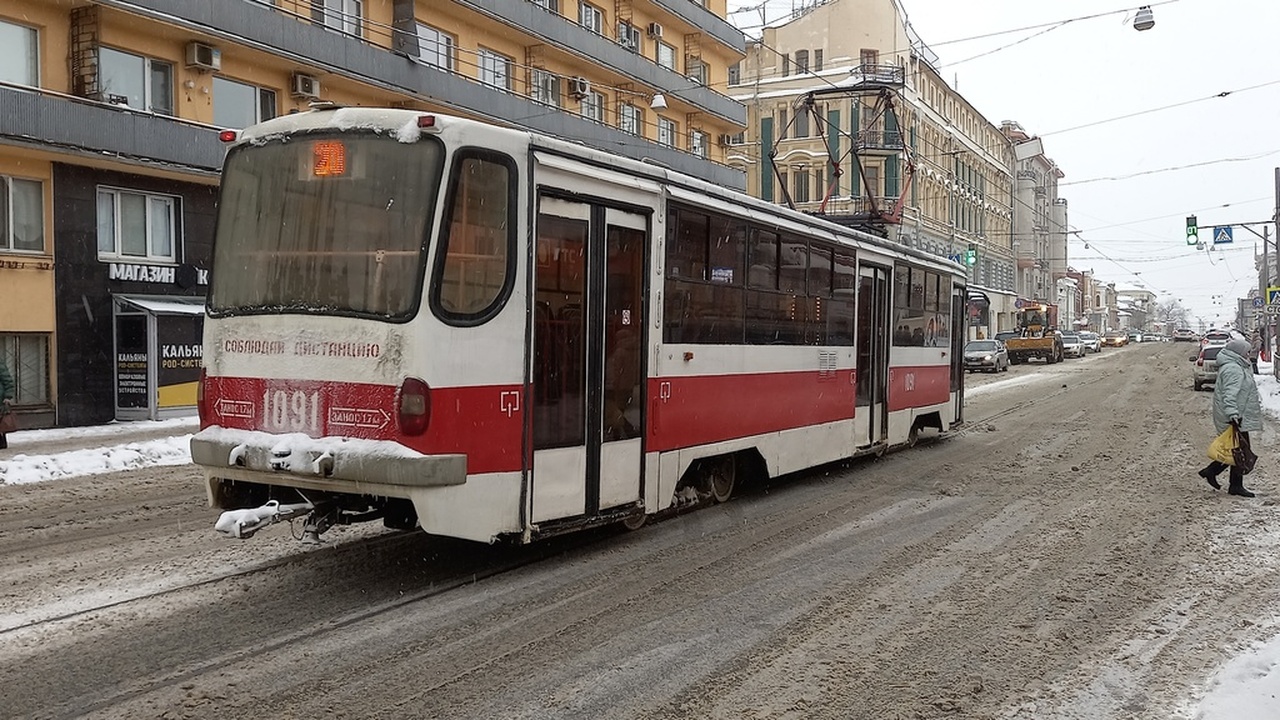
<point>492,334</point>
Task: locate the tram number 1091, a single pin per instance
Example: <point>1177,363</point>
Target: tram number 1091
<point>291,411</point>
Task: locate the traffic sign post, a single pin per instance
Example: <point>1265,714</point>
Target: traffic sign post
<point>1222,234</point>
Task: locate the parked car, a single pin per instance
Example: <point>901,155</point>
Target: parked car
<point>1092,342</point>
<point>1215,337</point>
<point>1135,336</point>
<point>1205,367</point>
<point>1072,345</point>
<point>988,355</point>
<point>1115,338</point>
<point>1185,335</point>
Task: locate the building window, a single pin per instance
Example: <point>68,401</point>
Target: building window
<point>136,81</point>
<point>630,119</point>
<point>552,5</point>
<point>735,73</point>
<point>344,15</point>
<point>592,106</point>
<point>591,18</point>
<point>666,55</point>
<point>237,104</point>
<point>802,181</point>
<point>667,132</point>
<point>802,61</point>
<point>437,48</point>
<point>27,357</point>
<point>802,123</point>
<point>629,36</point>
<point>545,87</point>
<point>869,59</point>
<point>21,215</point>
<point>19,54</point>
<point>817,61</point>
<point>786,65</point>
<point>137,225</point>
<point>696,70</point>
<point>495,68</point>
<point>698,143</point>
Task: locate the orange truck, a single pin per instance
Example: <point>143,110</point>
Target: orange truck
<point>1038,335</point>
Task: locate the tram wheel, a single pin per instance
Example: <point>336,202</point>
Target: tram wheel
<point>719,477</point>
<point>635,522</point>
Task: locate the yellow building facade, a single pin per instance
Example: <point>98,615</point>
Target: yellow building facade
<point>109,153</point>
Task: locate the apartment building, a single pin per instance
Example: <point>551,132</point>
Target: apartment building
<point>1040,218</point>
<point>109,118</point>
<point>847,116</point>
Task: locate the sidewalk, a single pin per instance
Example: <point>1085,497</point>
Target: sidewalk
<point>38,455</point>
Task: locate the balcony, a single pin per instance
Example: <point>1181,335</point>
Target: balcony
<point>874,77</point>
<point>879,140</point>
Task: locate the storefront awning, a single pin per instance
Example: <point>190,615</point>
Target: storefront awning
<point>165,305</point>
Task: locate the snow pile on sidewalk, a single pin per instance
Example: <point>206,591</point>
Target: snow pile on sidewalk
<point>93,461</point>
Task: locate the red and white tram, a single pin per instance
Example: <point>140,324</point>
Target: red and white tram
<point>495,334</point>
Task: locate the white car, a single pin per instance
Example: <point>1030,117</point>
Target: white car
<point>1092,342</point>
<point>1072,345</point>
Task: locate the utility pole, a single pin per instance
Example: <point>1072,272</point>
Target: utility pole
<point>1275,366</point>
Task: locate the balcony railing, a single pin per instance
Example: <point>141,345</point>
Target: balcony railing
<point>878,140</point>
<point>878,74</point>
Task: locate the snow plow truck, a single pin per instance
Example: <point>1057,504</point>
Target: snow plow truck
<point>1038,335</point>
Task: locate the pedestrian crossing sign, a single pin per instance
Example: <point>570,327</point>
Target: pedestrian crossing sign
<point>1221,234</point>
<point>1273,296</point>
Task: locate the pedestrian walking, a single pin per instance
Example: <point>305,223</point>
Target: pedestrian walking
<point>8,390</point>
<point>1255,347</point>
<point>1235,403</point>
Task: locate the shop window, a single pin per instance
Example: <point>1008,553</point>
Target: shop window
<point>19,54</point>
<point>437,48</point>
<point>238,105</point>
<point>134,225</point>
<point>26,355</point>
<point>139,82</point>
<point>21,215</point>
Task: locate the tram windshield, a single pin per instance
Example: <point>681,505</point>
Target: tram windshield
<point>326,224</point>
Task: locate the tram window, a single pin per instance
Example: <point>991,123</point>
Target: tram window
<point>901,281</point>
<point>793,265</point>
<point>844,275</point>
<point>727,239</point>
<point>687,253</point>
<point>774,319</point>
<point>698,312</point>
<point>838,315</point>
<point>474,270</point>
<point>763,273</point>
<point>916,301</point>
<point>820,272</point>
<point>931,292</point>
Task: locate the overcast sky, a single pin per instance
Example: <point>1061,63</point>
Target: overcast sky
<point>1089,71</point>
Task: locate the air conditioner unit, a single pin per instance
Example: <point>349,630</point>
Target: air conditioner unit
<point>205,57</point>
<point>725,140</point>
<point>655,30</point>
<point>579,87</point>
<point>305,86</point>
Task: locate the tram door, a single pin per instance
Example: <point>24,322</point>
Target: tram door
<point>959,336</point>
<point>588,359</point>
<point>871,416</point>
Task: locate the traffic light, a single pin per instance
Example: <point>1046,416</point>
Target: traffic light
<point>971,255</point>
<point>1193,232</point>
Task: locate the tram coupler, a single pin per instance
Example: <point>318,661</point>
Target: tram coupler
<point>245,522</point>
<point>322,517</point>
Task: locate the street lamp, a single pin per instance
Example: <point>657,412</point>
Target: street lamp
<point>1145,19</point>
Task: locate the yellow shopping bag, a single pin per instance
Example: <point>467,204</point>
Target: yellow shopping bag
<point>1221,447</point>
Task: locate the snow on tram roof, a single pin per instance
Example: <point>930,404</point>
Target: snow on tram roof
<point>403,124</point>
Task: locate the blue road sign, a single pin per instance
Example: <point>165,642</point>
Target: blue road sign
<point>1273,296</point>
<point>1257,302</point>
<point>1221,234</point>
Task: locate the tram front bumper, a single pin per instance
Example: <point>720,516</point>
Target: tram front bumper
<point>239,453</point>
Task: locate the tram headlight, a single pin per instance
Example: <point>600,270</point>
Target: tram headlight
<point>414,406</point>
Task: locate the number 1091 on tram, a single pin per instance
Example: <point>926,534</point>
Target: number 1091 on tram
<point>492,334</point>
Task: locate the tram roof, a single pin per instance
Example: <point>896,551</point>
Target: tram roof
<point>403,124</point>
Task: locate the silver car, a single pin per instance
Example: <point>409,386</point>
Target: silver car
<point>1072,345</point>
<point>1205,367</point>
<point>988,355</point>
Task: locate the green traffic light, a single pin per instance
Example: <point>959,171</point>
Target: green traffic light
<point>1193,232</point>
